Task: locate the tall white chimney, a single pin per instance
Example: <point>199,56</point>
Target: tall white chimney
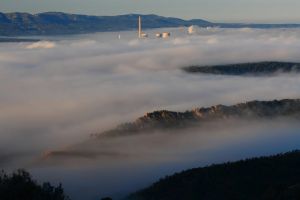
<point>140,27</point>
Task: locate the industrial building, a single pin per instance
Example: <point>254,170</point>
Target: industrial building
<point>141,34</point>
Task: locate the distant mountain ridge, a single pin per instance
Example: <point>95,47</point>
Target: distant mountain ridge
<point>162,120</point>
<point>51,23</point>
<point>55,23</point>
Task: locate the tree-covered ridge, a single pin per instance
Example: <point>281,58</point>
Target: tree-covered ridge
<point>265,178</point>
<point>260,68</point>
<point>169,119</point>
<point>20,186</point>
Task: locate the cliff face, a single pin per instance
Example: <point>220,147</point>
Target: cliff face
<point>167,119</point>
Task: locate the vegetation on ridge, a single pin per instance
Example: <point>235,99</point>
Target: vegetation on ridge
<point>169,120</point>
<point>20,186</point>
<point>265,178</point>
<point>260,68</point>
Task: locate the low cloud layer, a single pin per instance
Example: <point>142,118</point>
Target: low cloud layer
<point>90,83</point>
<point>55,93</point>
<point>41,45</point>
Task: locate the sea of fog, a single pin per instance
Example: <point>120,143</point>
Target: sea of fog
<point>56,92</point>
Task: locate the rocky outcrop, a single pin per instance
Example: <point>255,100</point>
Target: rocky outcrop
<point>260,68</point>
<point>169,120</point>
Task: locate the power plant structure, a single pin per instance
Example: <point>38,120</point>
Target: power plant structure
<point>140,32</point>
<point>191,30</point>
<point>166,34</point>
<point>163,35</point>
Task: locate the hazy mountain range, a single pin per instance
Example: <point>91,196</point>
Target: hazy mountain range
<point>52,23</point>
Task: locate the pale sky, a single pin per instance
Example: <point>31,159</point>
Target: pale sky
<point>275,11</point>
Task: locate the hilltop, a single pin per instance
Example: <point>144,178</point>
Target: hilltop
<point>164,119</point>
<point>260,68</point>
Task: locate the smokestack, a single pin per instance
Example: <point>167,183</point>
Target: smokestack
<point>140,27</point>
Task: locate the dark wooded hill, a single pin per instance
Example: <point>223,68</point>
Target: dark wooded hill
<point>266,178</point>
<point>260,68</point>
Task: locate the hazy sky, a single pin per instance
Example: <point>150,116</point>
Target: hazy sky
<point>214,10</point>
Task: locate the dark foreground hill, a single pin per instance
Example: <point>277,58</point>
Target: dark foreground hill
<point>260,68</point>
<point>161,120</point>
<point>266,178</point>
<point>20,186</point>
